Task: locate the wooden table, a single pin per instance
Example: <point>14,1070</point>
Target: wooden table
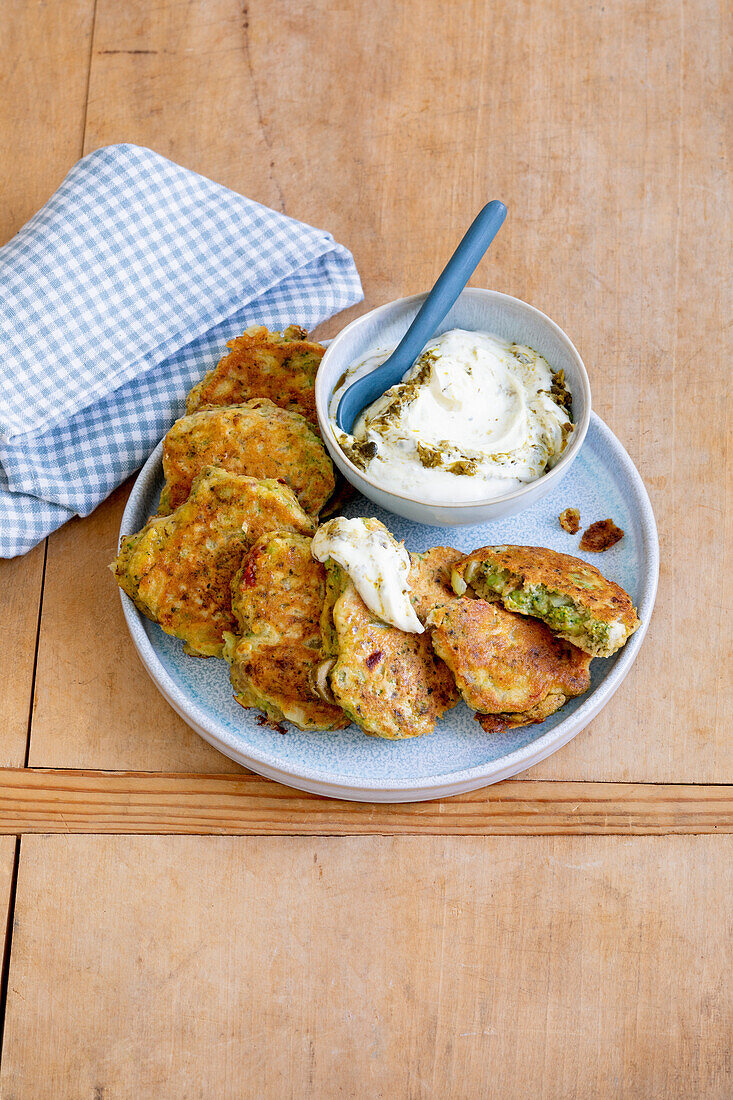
<point>567,934</point>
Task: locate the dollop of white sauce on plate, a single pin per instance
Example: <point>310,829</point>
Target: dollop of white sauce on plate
<point>378,565</point>
<point>474,418</point>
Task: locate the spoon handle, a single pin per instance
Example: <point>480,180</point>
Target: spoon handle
<point>455,275</point>
<point>452,280</point>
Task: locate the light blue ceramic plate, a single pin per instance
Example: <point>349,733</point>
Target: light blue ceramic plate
<point>458,756</point>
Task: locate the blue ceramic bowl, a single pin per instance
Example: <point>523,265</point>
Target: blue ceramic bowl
<point>478,311</point>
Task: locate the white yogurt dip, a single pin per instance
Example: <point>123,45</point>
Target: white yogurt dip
<point>378,565</point>
<point>474,418</point>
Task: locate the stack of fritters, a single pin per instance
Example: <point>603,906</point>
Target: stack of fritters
<point>227,557</point>
<point>179,568</point>
<point>511,670</point>
<point>309,650</point>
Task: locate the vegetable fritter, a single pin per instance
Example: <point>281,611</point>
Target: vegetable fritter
<point>574,600</point>
<point>390,683</point>
<point>430,580</point>
<point>281,366</point>
<point>505,665</point>
<point>277,598</point>
<point>257,438</point>
<point>178,569</point>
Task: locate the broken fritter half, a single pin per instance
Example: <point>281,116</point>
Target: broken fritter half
<point>257,438</point>
<point>390,683</point>
<point>178,569</point>
<point>510,669</point>
<point>277,598</point>
<point>571,597</point>
<point>260,363</point>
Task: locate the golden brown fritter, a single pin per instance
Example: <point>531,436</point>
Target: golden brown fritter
<point>504,662</point>
<point>430,579</point>
<point>257,438</point>
<point>277,598</point>
<point>280,366</point>
<point>601,535</point>
<point>576,601</point>
<point>390,683</point>
<point>178,570</point>
<point>500,661</point>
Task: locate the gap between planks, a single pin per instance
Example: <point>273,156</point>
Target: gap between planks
<point>35,800</point>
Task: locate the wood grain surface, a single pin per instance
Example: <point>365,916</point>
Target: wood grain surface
<point>410,967</point>
<point>55,801</point>
<point>43,87</point>
<point>606,140</point>
<point>8,855</point>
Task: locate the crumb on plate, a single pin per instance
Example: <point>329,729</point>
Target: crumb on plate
<point>600,536</point>
<point>570,520</point>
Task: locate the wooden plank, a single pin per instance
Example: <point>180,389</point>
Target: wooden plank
<point>601,129</point>
<point>40,801</point>
<point>9,850</point>
<point>21,582</point>
<point>177,80</point>
<point>663,181</point>
<point>43,92</point>
<point>43,88</point>
<point>94,701</point>
<point>428,968</point>
<point>7,861</point>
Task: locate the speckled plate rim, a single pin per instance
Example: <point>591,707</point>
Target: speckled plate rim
<point>427,787</point>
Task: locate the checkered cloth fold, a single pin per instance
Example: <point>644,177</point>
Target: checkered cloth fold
<point>115,298</point>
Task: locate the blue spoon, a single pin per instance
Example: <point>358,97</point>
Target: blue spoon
<point>455,275</point>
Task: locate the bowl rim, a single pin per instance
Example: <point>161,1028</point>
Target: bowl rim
<point>324,421</point>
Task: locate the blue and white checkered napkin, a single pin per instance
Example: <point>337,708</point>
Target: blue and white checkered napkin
<point>114,300</point>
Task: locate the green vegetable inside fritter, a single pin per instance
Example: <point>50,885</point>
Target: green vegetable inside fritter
<point>571,597</point>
